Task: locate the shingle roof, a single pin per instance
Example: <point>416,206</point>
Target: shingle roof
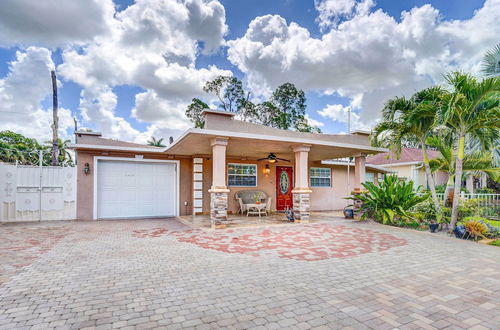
<point>407,155</point>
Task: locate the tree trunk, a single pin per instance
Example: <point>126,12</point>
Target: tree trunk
<point>458,181</point>
<point>448,193</point>
<point>432,184</point>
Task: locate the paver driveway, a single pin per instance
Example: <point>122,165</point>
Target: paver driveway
<point>159,273</point>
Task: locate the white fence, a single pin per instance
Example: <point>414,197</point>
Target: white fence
<point>33,193</point>
<point>484,199</point>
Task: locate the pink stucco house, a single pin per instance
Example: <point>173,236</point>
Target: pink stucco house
<point>201,171</point>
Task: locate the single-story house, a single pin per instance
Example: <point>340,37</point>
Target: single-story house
<point>202,170</point>
<point>409,165</point>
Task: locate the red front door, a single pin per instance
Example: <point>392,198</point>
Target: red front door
<point>284,186</point>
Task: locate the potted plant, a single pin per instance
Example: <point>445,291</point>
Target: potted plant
<point>257,198</point>
<point>433,226</point>
<point>348,212</point>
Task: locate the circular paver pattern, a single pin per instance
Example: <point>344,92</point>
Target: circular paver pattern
<point>310,242</point>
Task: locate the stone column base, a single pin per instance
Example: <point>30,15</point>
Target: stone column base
<point>218,208</point>
<point>301,206</point>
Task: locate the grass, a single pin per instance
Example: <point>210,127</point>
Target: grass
<point>495,242</point>
<point>494,223</point>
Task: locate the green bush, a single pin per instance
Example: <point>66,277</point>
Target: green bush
<point>390,201</point>
<point>441,188</point>
<point>485,191</point>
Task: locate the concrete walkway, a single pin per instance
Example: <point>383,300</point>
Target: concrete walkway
<point>143,274</point>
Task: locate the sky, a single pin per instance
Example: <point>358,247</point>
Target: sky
<point>129,68</point>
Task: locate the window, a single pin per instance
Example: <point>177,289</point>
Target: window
<point>242,175</point>
<point>370,177</point>
<point>320,177</point>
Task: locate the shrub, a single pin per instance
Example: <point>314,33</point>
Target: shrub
<point>441,188</point>
<point>493,231</point>
<point>391,200</point>
<point>476,229</point>
<point>470,207</point>
<point>485,191</point>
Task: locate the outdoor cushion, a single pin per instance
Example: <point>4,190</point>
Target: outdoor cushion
<point>248,196</point>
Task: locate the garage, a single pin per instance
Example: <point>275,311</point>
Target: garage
<point>136,189</point>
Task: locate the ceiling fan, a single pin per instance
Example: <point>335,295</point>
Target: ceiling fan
<point>271,158</point>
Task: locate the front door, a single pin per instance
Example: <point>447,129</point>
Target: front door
<point>284,186</point>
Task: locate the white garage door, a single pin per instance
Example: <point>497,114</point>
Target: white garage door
<point>136,189</point>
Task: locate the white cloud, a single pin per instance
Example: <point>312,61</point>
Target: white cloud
<point>313,122</point>
<point>369,57</point>
<point>153,45</point>
<point>53,23</point>
<point>331,12</point>
<point>21,92</point>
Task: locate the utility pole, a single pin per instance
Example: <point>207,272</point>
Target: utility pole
<point>55,119</point>
<point>349,120</point>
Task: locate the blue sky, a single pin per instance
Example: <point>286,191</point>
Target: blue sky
<point>238,16</point>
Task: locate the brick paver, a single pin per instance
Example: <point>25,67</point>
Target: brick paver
<point>144,274</point>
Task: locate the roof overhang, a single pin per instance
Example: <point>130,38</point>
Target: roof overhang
<point>196,141</point>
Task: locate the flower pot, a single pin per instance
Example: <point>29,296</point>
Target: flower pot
<point>433,227</point>
<point>349,213</point>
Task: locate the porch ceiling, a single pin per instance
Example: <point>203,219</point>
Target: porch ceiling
<point>195,143</point>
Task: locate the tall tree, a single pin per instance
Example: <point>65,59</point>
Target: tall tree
<point>194,110</point>
<point>291,103</point>
<point>229,90</point>
<point>285,109</point>
<point>472,108</point>
<point>410,122</point>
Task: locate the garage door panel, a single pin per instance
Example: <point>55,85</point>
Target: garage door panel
<point>136,189</point>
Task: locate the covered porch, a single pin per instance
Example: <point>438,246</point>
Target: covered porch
<point>226,162</point>
<point>235,221</point>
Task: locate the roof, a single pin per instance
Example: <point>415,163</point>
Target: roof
<point>248,140</point>
<point>407,156</point>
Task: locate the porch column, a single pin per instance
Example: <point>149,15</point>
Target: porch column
<point>301,192</point>
<point>469,183</point>
<point>359,170</point>
<point>218,191</point>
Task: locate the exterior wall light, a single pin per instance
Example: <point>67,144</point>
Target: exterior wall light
<point>86,168</point>
<point>267,169</point>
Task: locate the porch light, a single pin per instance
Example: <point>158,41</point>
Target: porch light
<point>267,169</point>
<point>86,168</point>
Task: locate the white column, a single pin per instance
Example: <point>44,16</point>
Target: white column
<point>301,191</point>
<point>219,191</point>
<point>359,170</point>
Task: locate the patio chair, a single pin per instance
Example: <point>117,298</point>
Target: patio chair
<point>268,205</point>
<point>242,207</point>
<point>248,197</point>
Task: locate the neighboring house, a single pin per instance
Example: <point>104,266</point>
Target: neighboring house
<point>409,165</point>
<point>202,170</point>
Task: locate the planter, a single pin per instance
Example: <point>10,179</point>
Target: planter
<point>348,213</point>
<point>433,227</point>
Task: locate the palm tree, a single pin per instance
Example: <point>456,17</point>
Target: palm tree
<point>411,121</point>
<point>472,108</point>
<point>491,62</point>
<point>156,143</point>
<point>475,161</point>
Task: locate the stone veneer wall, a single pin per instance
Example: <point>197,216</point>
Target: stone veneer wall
<point>197,186</point>
<point>301,206</point>
<point>218,209</point>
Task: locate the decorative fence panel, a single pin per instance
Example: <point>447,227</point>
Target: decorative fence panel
<point>484,199</point>
<point>33,193</point>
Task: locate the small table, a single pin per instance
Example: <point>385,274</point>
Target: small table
<point>258,209</point>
